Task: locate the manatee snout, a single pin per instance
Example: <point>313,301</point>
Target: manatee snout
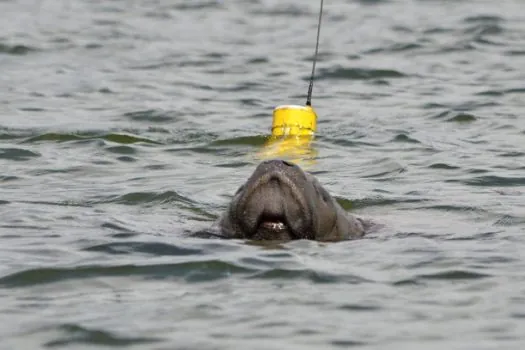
<point>272,202</point>
<point>280,201</point>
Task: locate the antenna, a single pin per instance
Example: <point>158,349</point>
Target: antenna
<point>310,88</point>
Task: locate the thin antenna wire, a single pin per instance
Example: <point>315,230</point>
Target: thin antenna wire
<point>310,88</point>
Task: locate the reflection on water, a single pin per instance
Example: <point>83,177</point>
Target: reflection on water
<point>298,149</point>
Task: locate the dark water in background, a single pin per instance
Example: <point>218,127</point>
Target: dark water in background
<point>125,124</point>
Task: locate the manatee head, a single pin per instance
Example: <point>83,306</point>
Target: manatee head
<point>280,201</point>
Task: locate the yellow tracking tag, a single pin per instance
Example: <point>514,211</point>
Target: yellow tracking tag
<point>292,120</point>
<point>293,130</point>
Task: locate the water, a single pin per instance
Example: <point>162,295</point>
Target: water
<point>125,125</point>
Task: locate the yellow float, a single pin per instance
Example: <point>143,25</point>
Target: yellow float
<point>294,126</point>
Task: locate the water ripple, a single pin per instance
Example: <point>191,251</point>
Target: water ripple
<point>135,198</point>
<point>17,154</point>
<point>357,73</point>
<point>112,137</point>
<point>453,275</point>
<point>494,180</point>
<point>204,270</point>
<point>198,5</point>
<point>160,249</point>
<point>151,116</point>
<point>6,178</point>
<point>307,274</point>
<point>75,334</point>
<point>16,49</point>
<point>443,166</point>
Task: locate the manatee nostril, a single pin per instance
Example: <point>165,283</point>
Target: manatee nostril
<point>287,163</point>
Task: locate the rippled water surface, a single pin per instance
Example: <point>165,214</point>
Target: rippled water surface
<point>126,125</point>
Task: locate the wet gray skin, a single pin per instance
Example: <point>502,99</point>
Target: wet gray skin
<point>280,201</point>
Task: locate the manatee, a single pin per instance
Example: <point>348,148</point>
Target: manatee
<point>280,201</point>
